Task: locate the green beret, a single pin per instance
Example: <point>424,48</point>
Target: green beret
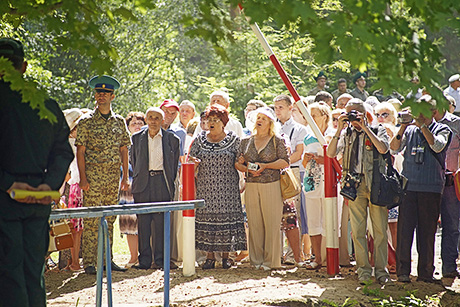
<point>358,76</point>
<point>320,75</point>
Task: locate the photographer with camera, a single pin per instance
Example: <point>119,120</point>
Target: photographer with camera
<point>357,142</point>
<point>425,143</point>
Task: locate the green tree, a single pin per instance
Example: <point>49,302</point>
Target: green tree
<point>74,28</point>
<point>387,37</point>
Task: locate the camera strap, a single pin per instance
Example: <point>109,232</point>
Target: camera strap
<point>354,154</point>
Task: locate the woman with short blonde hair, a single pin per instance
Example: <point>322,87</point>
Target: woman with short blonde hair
<point>261,157</point>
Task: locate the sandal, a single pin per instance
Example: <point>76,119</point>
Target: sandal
<point>313,265</point>
<point>227,263</point>
<point>242,256</point>
<point>209,264</point>
<point>131,264</point>
<point>392,269</point>
<point>75,270</point>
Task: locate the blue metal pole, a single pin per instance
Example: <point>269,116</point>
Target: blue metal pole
<point>100,259</point>
<point>167,257</point>
<point>108,263</point>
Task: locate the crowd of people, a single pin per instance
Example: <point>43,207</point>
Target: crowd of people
<point>238,175</point>
<point>138,159</point>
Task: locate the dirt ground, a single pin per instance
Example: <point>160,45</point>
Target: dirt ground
<point>241,286</point>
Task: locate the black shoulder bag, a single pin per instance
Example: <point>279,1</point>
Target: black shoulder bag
<point>387,189</point>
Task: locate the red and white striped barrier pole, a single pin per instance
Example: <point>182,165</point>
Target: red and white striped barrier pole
<point>188,224</point>
<point>331,214</point>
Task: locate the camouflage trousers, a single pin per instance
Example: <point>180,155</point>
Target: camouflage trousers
<point>104,183</point>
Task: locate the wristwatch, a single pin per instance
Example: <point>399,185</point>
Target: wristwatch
<point>398,137</point>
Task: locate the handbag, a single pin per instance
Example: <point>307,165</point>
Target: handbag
<point>60,235</point>
<point>290,186</point>
<point>387,189</point>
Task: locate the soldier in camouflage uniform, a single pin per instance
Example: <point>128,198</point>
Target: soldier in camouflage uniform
<point>102,147</point>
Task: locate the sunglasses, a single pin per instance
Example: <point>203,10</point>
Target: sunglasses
<point>383,115</point>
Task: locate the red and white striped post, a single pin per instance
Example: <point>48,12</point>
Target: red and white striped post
<point>331,216</point>
<point>188,224</point>
<point>331,181</point>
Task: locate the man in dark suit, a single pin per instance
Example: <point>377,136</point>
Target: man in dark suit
<point>155,157</point>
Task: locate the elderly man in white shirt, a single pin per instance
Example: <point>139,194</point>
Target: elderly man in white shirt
<point>453,90</point>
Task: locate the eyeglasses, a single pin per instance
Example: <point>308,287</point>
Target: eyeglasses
<point>383,115</point>
<point>213,120</point>
<point>335,119</point>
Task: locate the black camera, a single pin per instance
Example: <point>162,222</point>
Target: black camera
<point>405,117</point>
<point>350,186</point>
<point>352,116</point>
<point>419,154</point>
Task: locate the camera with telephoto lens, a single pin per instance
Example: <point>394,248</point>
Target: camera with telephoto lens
<point>352,116</point>
<point>253,166</point>
<point>405,117</point>
<point>350,186</point>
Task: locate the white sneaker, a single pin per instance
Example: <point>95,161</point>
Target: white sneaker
<point>265,268</point>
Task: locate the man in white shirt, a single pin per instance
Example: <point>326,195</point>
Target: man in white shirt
<point>453,90</point>
<point>155,158</point>
<point>222,98</point>
<point>295,133</point>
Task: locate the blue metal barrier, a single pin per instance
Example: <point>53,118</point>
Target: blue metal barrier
<point>103,235</point>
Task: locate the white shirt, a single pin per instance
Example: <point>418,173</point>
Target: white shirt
<point>454,93</point>
<point>73,168</point>
<point>298,135</point>
<point>156,152</point>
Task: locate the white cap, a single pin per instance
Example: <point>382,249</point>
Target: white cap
<point>187,103</point>
<point>267,112</point>
<point>454,78</point>
<point>157,110</point>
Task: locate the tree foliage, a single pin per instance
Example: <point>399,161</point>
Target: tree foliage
<point>388,38</point>
<point>155,59</point>
<point>185,49</point>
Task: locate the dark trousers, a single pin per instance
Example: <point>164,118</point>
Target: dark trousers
<point>450,214</point>
<point>156,191</point>
<point>419,211</point>
<point>23,247</point>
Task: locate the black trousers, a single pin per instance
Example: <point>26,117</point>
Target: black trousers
<point>419,211</point>
<point>156,191</point>
<point>23,246</point>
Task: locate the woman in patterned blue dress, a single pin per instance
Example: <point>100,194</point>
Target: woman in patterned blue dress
<point>219,226</point>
